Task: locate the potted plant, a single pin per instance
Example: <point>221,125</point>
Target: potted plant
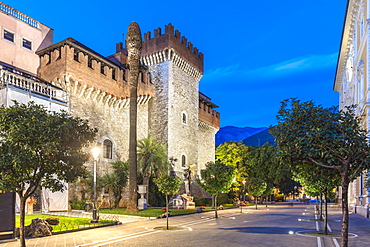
<point>52,220</point>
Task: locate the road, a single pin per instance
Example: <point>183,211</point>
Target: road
<point>277,225</point>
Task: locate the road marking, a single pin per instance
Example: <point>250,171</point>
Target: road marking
<point>126,238</point>
<point>336,242</point>
<point>318,242</point>
<point>109,239</point>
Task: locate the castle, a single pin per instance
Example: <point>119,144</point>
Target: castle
<point>94,87</point>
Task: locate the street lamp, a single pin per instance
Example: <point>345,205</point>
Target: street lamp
<point>95,152</point>
<point>241,205</point>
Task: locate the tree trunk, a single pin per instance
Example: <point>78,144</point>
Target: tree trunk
<point>320,206</point>
<point>167,210</point>
<point>133,45</point>
<point>146,182</point>
<point>255,201</point>
<point>22,213</point>
<point>216,215</point>
<point>317,203</point>
<point>345,184</point>
<point>326,213</point>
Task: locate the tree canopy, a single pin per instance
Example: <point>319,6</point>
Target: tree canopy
<point>328,137</point>
<point>216,178</point>
<point>40,148</point>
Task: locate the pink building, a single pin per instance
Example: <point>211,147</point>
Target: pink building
<point>21,37</point>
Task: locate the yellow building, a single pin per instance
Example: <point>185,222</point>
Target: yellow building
<point>352,83</point>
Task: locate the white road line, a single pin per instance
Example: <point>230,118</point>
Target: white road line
<point>126,238</point>
<point>318,242</point>
<point>336,242</point>
<point>194,222</point>
<point>109,239</point>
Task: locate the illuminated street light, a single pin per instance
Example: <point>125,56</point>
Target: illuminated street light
<point>95,152</point>
<point>241,205</point>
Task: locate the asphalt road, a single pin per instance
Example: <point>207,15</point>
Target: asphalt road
<point>277,225</point>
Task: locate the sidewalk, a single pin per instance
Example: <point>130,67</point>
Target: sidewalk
<point>78,237</point>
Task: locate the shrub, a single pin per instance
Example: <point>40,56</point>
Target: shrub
<point>203,201</point>
<point>222,199</point>
<point>77,204</point>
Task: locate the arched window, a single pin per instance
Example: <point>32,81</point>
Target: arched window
<point>183,160</point>
<point>107,149</point>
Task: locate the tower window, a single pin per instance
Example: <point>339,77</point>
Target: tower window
<point>102,69</point>
<point>184,118</point>
<point>183,160</point>
<point>107,149</point>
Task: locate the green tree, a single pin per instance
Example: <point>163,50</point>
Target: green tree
<point>265,165</point>
<point>321,180</point>
<point>216,178</point>
<point>40,149</point>
<point>152,160</point>
<point>169,186</point>
<point>235,154</point>
<point>114,182</point>
<point>328,137</point>
<point>256,187</point>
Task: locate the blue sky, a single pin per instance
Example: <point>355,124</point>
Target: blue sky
<point>257,53</point>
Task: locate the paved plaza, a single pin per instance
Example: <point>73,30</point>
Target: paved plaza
<point>276,225</point>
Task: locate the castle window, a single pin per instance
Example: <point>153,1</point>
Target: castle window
<point>124,75</point>
<point>107,149</point>
<point>89,63</point>
<point>184,118</point>
<point>142,78</point>
<point>8,35</point>
<point>183,160</point>
<point>102,69</point>
<point>27,44</point>
<point>113,74</point>
<point>75,55</point>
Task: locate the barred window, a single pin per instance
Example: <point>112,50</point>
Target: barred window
<point>107,149</point>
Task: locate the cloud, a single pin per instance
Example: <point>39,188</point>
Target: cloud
<point>252,97</point>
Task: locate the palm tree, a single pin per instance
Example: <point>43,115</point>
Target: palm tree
<point>133,45</point>
<point>152,160</point>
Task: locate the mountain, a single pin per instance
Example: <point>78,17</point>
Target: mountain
<point>231,133</point>
<point>259,139</point>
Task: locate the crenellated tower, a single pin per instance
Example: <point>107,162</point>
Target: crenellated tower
<point>176,67</point>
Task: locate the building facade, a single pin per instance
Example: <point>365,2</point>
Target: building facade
<point>170,106</point>
<point>353,84</point>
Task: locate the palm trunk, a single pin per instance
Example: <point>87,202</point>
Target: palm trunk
<point>345,183</point>
<point>133,45</point>
<point>22,208</point>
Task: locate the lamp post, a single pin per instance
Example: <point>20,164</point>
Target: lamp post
<point>241,205</point>
<point>95,152</point>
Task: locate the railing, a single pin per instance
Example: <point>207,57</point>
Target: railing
<point>10,11</point>
<point>31,84</point>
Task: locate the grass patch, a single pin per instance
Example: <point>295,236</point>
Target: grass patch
<point>156,211</point>
<point>65,223</point>
<point>331,234</point>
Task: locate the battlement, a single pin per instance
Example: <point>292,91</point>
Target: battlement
<point>71,58</point>
<point>206,112</point>
<point>172,39</point>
